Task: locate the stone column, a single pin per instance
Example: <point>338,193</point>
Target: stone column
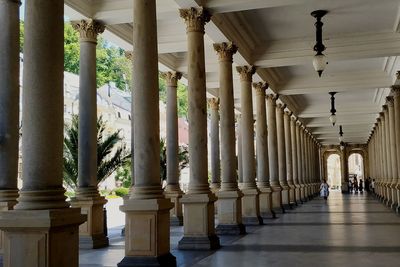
<point>396,98</point>
<point>198,203</point>
<point>273,155</point>
<point>262,152</point>
<point>393,157</point>
<point>239,151</point>
<point>282,155</point>
<point>213,103</point>
<point>9,105</point>
<point>129,56</point>
<point>299,161</point>
<point>294,159</point>
<point>250,200</point>
<point>146,210</point>
<point>42,210</point>
<point>87,195</point>
<point>229,197</point>
<point>173,190</point>
<point>381,155</point>
<point>303,162</point>
<point>388,156</point>
<point>289,161</point>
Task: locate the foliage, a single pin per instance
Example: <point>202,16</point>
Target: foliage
<point>121,191</point>
<point>112,66</point>
<point>111,154</point>
<point>124,174</point>
<point>182,96</point>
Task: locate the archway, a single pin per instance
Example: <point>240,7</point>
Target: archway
<point>356,166</point>
<point>334,176</point>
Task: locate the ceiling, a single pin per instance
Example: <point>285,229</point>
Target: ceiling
<point>277,36</point>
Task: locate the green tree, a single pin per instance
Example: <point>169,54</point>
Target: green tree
<point>183,158</point>
<point>111,153</point>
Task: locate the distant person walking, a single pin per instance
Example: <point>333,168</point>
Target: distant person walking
<point>360,186</point>
<point>324,190</point>
<point>373,186</point>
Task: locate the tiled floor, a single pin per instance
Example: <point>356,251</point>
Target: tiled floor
<point>348,230</point>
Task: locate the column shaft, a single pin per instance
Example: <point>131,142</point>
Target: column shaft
<point>42,112</point>
<point>393,157</point>
<point>215,145</point>
<point>9,101</point>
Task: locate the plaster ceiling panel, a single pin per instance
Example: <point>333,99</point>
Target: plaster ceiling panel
<point>344,17</point>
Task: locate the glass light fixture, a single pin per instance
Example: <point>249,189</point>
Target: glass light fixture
<point>333,119</point>
<point>319,60</point>
<point>319,63</point>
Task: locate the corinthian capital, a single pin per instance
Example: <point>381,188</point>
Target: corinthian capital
<point>280,107</point>
<point>390,101</point>
<point>246,72</point>
<point>171,77</point>
<point>88,29</point>
<point>213,103</point>
<point>260,88</point>
<point>225,51</point>
<point>195,18</point>
<point>129,55</point>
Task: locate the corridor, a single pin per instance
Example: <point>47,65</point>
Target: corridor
<point>348,230</point>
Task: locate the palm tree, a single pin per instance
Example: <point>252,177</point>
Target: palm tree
<point>111,153</point>
<point>183,158</point>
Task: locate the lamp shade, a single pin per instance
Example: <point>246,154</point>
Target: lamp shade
<point>319,63</point>
<point>332,118</point>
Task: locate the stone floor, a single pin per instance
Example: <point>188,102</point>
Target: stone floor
<point>347,230</point>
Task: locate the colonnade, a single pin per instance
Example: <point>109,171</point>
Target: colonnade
<point>280,173</point>
<point>384,150</point>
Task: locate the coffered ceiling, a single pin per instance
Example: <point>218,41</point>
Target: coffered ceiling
<point>362,39</point>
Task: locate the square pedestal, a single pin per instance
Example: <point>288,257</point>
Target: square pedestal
<point>198,223</point>
<point>251,207</point>
<point>303,193</point>
<point>292,195</point>
<point>41,238</point>
<point>92,233</point>
<point>266,203</point>
<point>176,215</point>
<point>4,206</point>
<point>230,213</point>
<point>147,233</point>
<point>277,206</point>
<point>285,197</point>
<point>298,195</point>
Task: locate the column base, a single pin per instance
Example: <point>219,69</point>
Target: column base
<point>92,232</point>
<point>231,229</point>
<point>50,237</point>
<point>147,232</point>
<point>198,222</point>
<point>277,206</point>
<point>251,207</point>
<point>292,195</point>
<point>285,195</point>
<point>266,203</point>
<point>166,260</point>
<point>176,216</point>
<point>230,213</point>
<point>93,241</point>
<point>199,243</point>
